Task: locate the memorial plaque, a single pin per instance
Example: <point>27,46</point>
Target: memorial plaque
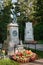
<point>14,34</point>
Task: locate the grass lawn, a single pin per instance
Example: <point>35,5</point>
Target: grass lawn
<point>7,61</point>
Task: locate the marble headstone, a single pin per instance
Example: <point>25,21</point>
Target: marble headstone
<point>29,32</point>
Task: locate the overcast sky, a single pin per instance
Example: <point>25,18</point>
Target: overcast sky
<point>14,1</point>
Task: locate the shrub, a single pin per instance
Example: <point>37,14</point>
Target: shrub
<point>38,31</point>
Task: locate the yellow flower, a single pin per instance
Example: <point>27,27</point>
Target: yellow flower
<point>3,51</point>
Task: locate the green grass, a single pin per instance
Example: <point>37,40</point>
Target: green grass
<point>7,61</point>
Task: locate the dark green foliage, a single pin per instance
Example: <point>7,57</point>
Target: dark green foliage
<point>38,8</point>
<point>40,41</point>
<point>4,20</point>
<point>38,16</point>
<point>21,30</point>
<point>17,8</point>
<point>38,31</point>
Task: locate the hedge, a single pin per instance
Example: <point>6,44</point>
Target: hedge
<point>38,31</point>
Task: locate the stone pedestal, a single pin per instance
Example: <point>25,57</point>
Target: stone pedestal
<point>12,36</point>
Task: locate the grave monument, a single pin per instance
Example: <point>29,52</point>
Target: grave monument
<point>12,33</point>
<point>29,32</point>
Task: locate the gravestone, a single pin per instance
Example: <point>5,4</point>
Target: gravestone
<point>29,32</point>
<point>12,36</point>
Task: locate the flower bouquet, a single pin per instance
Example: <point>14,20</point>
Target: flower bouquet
<point>24,56</point>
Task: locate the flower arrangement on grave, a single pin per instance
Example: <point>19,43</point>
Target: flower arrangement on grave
<point>24,56</point>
